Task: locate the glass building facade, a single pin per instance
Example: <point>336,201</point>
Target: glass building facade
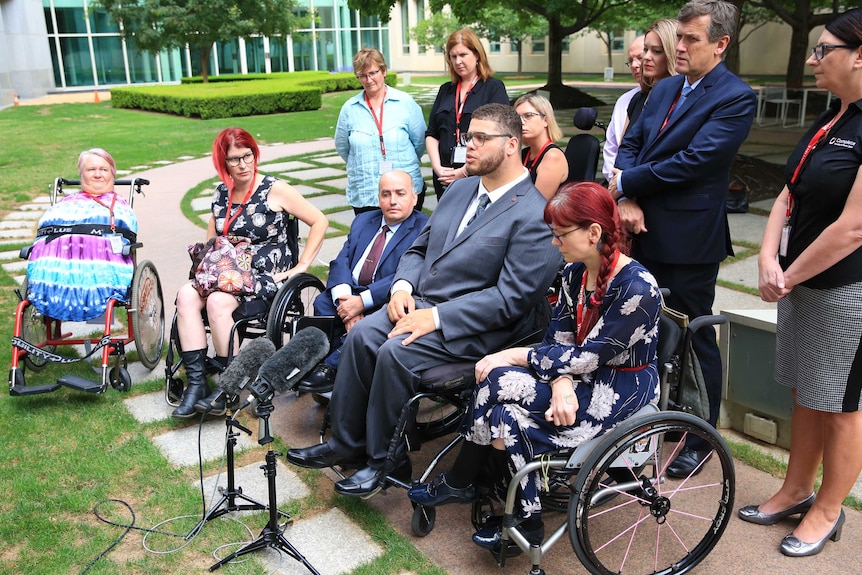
<point>87,48</point>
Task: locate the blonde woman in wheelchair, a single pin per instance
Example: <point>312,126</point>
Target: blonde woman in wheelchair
<point>595,367</point>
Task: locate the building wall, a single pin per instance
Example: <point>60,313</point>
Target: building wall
<point>25,61</point>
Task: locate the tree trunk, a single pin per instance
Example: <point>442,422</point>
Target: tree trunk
<point>555,52</point>
<point>520,45</point>
<point>798,53</point>
<point>205,59</point>
<point>606,38</point>
<point>731,58</point>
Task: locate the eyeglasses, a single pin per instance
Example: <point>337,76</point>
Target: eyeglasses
<point>246,159</point>
<point>820,50</point>
<point>369,76</point>
<point>527,116</point>
<point>559,237</point>
<point>631,61</point>
<point>480,139</point>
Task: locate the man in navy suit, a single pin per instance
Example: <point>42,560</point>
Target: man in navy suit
<point>346,297</point>
<point>673,173</point>
<point>470,284</point>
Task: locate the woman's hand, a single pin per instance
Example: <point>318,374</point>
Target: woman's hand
<point>770,280</point>
<point>564,402</point>
<point>449,175</point>
<point>516,356</point>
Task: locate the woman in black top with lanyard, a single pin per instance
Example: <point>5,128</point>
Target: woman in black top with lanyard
<point>471,86</point>
<point>547,163</point>
<point>811,264</point>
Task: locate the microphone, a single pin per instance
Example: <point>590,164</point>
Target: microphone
<point>585,119</point>
<point>244,367</point>
<point>294,360</point>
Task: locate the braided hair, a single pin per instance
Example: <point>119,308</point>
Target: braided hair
<point>581,204</point>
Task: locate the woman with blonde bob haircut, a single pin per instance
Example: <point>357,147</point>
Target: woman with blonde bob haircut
<point>546,162</point>
<point>471,86</point>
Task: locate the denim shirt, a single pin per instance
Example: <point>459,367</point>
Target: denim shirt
<point>358,143</point>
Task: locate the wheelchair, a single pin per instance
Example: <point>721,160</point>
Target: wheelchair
<point>276,320</point>
<point>36,337</point>
<point>623,514</point>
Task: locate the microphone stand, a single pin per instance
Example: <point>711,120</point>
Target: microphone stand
<point>272,535</point>
<point>229,495</point>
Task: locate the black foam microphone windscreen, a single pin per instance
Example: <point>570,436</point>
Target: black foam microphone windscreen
<point>245,366</point>
<point>297,358</point>
<point>585,118</point>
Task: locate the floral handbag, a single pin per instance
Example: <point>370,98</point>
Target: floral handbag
<point>222,264</point>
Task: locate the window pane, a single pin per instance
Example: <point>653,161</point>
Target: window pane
<point>228,57</point>
<point>142,65</point>
<point>70,20</point>
<point>76,61</point>
<point>278,54</point>
<point>326,50</point>
<point>101,23</point>
<point>302,51</point>
<point>254,55</point>
<point>110,68</point>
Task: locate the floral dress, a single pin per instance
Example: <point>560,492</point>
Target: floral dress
<point>264,228</point>
<point>614,368</point>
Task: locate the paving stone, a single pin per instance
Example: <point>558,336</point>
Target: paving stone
<point>180,446</point>
<point>427,174</point>
<point>140,168</point>
<point>148,407</point>
<point>742,272</point>
<point>163,162</point>
<point>340,183</point>
<point>285,166</point>
<point>253,483</point>
<point>308,190</point>
<point>330,160</point>
<point>17,224</point>
<point>10,255</point>
<point>330,201</point>
<point>184,158</point>
<point>30,215</point>
<point>746,227</point>
<point>16,233</point>
<point>313,174</point>
<point>17,266</point>
<point>202,204</point>
<point>330,542</point>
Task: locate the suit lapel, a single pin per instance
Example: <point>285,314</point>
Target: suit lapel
<point>491,213</point>
<point>404,229</point>
<point>365,237</point>
<point>459,207</point>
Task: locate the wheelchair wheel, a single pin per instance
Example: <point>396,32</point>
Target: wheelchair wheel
<point>35,331</point>
<point>664,526</point>
<point>120,378</point>
<point>423,520</point>
<point>293,300</point>
<point>147,314</point>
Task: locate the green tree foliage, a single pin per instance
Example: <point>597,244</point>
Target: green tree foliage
<point>434,31</point>
<point>501,23</point>
<point>156,25</point>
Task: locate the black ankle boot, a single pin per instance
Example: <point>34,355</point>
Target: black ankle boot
<point>196,388</point>
<point>213,404</point>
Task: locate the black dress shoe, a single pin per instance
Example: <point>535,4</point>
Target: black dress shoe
<point>490,536</point>
<point>438,492</point>
<point>317,457</point>
<point>320,380</point>
<point>688,463</point>
<point>371,479</point>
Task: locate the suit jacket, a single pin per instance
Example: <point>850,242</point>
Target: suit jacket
<point>680,175</point>
<point>362,232</point>
<point>492,276</point>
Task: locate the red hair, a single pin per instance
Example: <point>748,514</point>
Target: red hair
<point>580,204</point>
<point>228,137</point>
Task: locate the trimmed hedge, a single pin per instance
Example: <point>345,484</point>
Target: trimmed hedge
<point>238,95</point>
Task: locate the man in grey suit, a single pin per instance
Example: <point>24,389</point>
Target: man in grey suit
<point>468,286</point>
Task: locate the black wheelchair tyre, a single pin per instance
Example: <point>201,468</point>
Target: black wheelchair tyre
<point>293,300</point>
<point>147,314</point>
<point>688,515</point>
<point>35,331</point>
<point>423,520</point>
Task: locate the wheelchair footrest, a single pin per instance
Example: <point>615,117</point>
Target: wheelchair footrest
<point>21,390</point>
<point>79,383</point>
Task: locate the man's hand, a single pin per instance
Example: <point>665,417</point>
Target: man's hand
<point>631,216</point>
<point>400,304</point>
<point>350,307</point>
<point>564,403</point>
<point>612,184</point>
<point>348,325</point>
<point>417,323</point>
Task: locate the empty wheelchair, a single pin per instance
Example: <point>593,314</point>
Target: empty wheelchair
<point>622,512</point>
<point>64,260</point>
<point>276,319</point>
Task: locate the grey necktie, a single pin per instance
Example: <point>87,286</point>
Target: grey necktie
<point>484,200</point>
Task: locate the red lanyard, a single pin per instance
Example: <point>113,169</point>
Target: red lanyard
<point>815,139</point>
<point>669,112</point>
<point>228,221</point>
<point>110,208</point>
<point>379,122</point>
<point>459,107</point>
<point>532,166</point>
<point>582,300</point>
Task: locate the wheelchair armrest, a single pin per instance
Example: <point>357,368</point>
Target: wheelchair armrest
<point>704,321</point>
<point>128,249</point>
<point>24,254</point>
